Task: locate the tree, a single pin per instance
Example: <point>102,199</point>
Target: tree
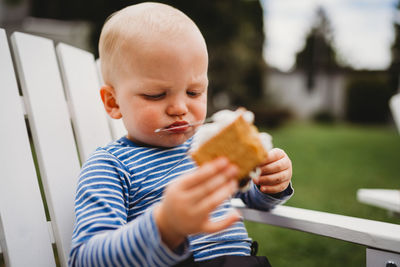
<point>318,54</point>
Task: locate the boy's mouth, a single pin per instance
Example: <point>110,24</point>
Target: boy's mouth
<point>176,127</point>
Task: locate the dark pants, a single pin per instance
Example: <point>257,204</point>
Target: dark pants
<point>227,261</point>
<point>230,261</point>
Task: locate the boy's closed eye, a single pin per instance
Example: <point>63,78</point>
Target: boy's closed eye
<point>193,93</point>
<point>154,96</point>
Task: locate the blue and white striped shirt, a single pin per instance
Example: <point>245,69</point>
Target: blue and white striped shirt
<point>118,187</point>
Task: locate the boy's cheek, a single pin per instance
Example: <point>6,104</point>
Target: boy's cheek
<point>148,116</point>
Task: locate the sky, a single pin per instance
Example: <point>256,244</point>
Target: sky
<point>363,30</point>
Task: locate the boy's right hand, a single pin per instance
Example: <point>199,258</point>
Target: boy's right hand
<point>189,200</point>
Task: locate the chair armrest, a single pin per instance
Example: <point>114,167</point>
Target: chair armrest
<point>383,198</point>
<point>374,234</point>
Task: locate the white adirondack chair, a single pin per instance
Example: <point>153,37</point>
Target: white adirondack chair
<point>66,122</point>
<point>388,199</point>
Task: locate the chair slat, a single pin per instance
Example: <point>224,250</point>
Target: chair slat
<point>82,87</point>
<point>52,131</point>
<point>24,238</point>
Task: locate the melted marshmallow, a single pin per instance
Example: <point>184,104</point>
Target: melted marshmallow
<point>221,119</point>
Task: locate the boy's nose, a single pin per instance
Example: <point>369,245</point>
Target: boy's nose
<point>177,108</point>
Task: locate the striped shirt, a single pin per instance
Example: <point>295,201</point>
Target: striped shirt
<point>117,189</point>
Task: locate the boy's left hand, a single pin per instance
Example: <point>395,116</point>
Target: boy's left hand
<point>276,172</point>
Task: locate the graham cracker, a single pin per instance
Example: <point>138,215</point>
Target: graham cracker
<point>239,142</point>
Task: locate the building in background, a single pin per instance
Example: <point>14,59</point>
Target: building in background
<point>321,86</point>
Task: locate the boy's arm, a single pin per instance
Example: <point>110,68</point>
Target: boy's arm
<point>256,199</point>
<point>273,187</point>
<point>102,236</point>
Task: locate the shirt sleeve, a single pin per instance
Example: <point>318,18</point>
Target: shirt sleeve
<point>102,236</point>
<point>256,199</point>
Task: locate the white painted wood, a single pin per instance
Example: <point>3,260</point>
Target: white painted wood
<point>374,234</point>
<point>383,198</point>
<point>23,105</point>
<point>379,258</point>
<point>51,232</point>
<point>394,104</point>
<point>52,132</point>
<point>82,87</point>
<point>24,236</point>
<point>117,126</point>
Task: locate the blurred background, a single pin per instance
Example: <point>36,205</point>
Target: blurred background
<point>318,75</point>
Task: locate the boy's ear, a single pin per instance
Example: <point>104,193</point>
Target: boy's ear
<point>110,102</point>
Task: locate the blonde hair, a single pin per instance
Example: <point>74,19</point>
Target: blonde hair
<point>134,25</point>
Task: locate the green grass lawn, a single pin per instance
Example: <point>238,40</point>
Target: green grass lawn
<point>330,162</point>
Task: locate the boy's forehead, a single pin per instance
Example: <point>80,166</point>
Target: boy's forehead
<point>158,26</point>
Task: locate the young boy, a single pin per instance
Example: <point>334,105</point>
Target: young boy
<point>141,201</point>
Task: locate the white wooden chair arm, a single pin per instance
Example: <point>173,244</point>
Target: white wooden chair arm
<point>374,234</point>
<point>383,198</point>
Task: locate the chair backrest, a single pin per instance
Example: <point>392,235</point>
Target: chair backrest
<point>60,97</point>
<point>394,104</point>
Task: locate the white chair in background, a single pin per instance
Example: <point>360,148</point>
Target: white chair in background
<point>388,199</point>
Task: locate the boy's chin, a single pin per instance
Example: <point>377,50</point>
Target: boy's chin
<point>173,141</point>
<point>164,140</point>
<point>169,141</point>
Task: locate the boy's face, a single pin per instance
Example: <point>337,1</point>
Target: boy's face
<point>164,85</point>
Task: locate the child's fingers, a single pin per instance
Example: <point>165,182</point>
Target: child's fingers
<point>212,227</point>
<point>204,172</point>
<point>274,155</point>
<point>274,189</point>
<point>208,186</point>
<point>276,166</point>
<point>212,200</point>
<point>275,178</point>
